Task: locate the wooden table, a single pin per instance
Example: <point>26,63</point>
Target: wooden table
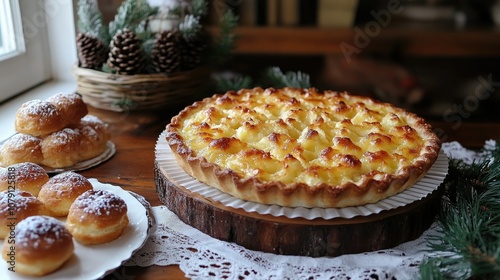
<point>135,135</point>
<point>131,168</point>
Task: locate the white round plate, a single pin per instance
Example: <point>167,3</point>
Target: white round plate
<point>104,156</point>
<point>107,154</point>
<point>95,261</point>
<point>425,186</point>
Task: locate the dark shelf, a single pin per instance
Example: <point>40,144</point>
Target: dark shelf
<point>326,41</point>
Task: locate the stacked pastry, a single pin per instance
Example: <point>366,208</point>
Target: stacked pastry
<point>30,205</point>
<point>56,132</point>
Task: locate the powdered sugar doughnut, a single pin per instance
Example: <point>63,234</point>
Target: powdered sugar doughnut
<point>61,191</point>
<point>21,148</point>
<point>97,124</point>
<point>15,206</point>
<point>97,216</point>
<point>70,105</point>
<point>24,176</point>
<point>37,117</point>
<point>42,245</point>
<point>92,143</point>
<point>60,149</point>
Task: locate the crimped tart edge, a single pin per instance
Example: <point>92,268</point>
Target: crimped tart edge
<point>369,190</point>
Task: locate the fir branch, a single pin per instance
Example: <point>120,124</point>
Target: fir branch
<point>199,8</point>
<point>431,269</point>
<point>277,78</point>
<point>444,268</point>
<point>224,44</point>
<point>91,22</point>
<point>130,14</point>
<point>106,69</point>
<point>491,149</point>
<point>272,77</point>
<point>125,103</point>
<point>225,83</point>
<point>190,28</point>
<point>462,177</point>
<point>468,244</point>
<point>492,178</point>
<point>147,46</point>
<point>142,31</point>
<point>175,12</point>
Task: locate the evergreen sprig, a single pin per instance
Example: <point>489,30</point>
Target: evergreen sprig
<point>271,77</point>
<point>147,46</point>
<point>277,78</point>
<point>467,244</point>
<point>130,14</point>
<point>125,103</point>
<point>142,31</point>
<point>225,83</point>
<point>190,27</point>
<point>91,21</point>
<point>199,8</point>
<point>224,43</point>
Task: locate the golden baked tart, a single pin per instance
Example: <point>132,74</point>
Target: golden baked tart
<point>302,147</point>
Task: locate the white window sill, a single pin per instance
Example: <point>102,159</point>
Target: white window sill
<point>9,108</point>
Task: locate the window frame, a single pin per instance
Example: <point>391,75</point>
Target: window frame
<point>10,24</point>
<point>29,65</point>
<point>61,31</point>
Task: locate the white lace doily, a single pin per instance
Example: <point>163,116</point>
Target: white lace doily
<point>200,256</point>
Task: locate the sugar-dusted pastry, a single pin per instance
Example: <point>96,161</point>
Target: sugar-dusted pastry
<point>71,107</point>
<point>25,176</point>
<point>37,117</point>
<point>97,216</point>
<point>42,245</point>
<point>60,149</point>
<point>61,191</point>
<point>97,124</point>
<point>302,147</point>
<point>15,206</point>
<point>56,133</point>
<point>21,148</point>
<point>92,142</point>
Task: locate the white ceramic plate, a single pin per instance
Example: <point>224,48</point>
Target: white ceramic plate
<point>95,261</point>
<point>425,186</point>
<point>107,154</point>
<point>104,156</point>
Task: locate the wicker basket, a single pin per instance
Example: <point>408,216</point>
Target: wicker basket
<point>140,92</point>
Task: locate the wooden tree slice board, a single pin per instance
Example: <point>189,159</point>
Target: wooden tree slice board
<point>297,236</point>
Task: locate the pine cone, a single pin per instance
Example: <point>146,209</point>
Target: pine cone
<point>126,56</point>
<point>166,53</point>
<point>192,52</point>
<point>92,53</point>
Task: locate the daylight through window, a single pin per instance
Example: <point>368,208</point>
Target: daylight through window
<point>11,42</point>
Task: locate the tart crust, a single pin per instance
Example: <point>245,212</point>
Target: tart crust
<point>302,147</point>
